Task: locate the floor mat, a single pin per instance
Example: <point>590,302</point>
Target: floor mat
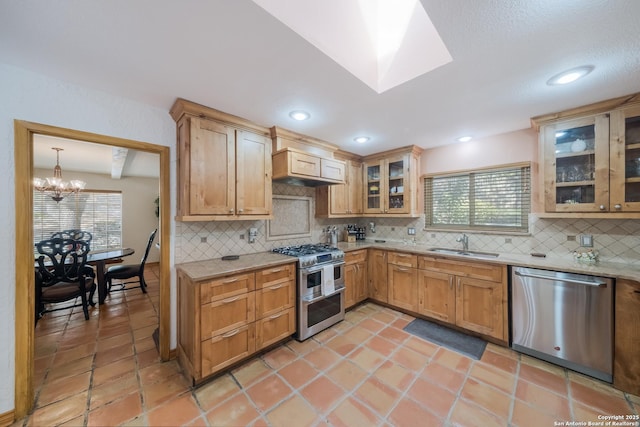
<point>457,341</point>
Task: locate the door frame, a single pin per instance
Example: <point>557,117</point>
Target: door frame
<point>24,277</point>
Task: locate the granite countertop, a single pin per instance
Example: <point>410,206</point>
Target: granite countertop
<point>603,268</point>
<point>209,269</point>
<point>212,268</point>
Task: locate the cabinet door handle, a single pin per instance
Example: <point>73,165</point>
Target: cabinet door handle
<point>602,207</point>
<point>227,301</point>
<point>240,210</point>
<point>230,334</point>
<point>618,207</point>
<point>451,282</point>
<point>459,284</point>
<point>235,279</point>
<point>636,292</point>
<point>231,210</point>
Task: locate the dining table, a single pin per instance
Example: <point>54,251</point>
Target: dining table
<point>99,260</point>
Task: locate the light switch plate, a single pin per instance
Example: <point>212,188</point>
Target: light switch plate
<point>411,231</point>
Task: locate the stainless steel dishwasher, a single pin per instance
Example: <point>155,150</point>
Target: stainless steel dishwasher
<point>564,318</point>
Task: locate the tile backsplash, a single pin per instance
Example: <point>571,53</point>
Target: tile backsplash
<point>616,240</point>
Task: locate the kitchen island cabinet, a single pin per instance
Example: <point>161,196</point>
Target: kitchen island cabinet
<point>626,363</point>
<point>224,165</point>
<point>224,320</point>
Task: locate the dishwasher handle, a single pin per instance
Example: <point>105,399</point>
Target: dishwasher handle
<point>596,283</point>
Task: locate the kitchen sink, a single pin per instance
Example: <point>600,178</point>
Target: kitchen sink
<point>465,253</point>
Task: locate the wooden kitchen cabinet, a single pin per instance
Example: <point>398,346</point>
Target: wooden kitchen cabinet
<point>377,275</point>
<point>437,295</point>
<point>224,165</point>
<point>224,320</point>
<point>591,159</point>
<point>342,200</point>
<point>402,277</point>
<point>480,306</point>
<point>355,277</point>
<point>626,363</point>
<point>390,182</point>
<point>469,294</point>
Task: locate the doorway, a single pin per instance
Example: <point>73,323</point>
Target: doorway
<point>25,286</point>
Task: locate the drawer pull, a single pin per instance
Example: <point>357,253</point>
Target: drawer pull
<point>403,255</point>
<point>273,288</point>
<point>402,269</point>
<point>230,334</point>
<point>235,279</point>
<point>276,270</point>
<point>275,316</point>
<point>636,292</point>
<point>227,301</point>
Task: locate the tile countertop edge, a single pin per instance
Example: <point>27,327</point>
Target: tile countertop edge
<point>213,268</point>
<point>608,269</point>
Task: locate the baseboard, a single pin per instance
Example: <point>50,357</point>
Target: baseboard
<point>173,354</point>
<point>7,418</point>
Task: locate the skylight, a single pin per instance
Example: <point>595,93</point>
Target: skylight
<point>384,43</point>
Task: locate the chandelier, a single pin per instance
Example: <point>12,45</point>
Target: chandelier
<point>56,187</point>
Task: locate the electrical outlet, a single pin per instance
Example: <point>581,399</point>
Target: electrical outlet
<point>571,238</point>
<point>507,240</point>
<point>242,236</point>
<point>393,229</point>
<point>203,240</point>
<point>411,231</point>
<point>586,240</point>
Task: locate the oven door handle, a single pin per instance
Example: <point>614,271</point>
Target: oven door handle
<point>321,297</point>
<point>310,270</point>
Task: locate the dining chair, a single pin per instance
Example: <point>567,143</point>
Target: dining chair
<point>60,275</point>
<point>77,234</point>
<point>130,271</point>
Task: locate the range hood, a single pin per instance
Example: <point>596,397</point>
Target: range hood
<point>302,160</point>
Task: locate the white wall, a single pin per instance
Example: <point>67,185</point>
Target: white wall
<point>37,98</point>
<point>138,209</point>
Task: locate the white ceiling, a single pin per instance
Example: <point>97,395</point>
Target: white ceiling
<point>233,56</point>
<point>83,156</point>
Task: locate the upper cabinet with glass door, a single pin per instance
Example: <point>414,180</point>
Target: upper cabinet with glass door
<point>625,160</point>
<point>576,165</point>
<point>391,183</point>
<point>591,159</point>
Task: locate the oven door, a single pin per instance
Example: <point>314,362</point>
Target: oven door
<point>319,313</point>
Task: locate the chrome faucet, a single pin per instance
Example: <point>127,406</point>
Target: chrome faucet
<point>465,242</point>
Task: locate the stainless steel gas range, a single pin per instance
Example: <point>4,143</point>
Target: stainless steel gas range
<point>320,294</point>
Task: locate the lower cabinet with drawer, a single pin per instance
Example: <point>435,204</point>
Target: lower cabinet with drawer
<point>471,295</point>
<point>355,277</point>
<point>224,320</point>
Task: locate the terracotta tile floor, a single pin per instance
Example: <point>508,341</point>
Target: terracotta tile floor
<point>364,371</point>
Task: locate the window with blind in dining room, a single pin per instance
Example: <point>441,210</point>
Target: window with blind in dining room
<point>96,211</point>
<point>493,200</point>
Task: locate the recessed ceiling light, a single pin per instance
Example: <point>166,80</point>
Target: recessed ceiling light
<point>570,76</point>
<point>361,139</point>
<point>299,115</point>
<point>464,139</point>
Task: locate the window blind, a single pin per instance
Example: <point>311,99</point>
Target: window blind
<point>96,211</point>
<point>497,199</point>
